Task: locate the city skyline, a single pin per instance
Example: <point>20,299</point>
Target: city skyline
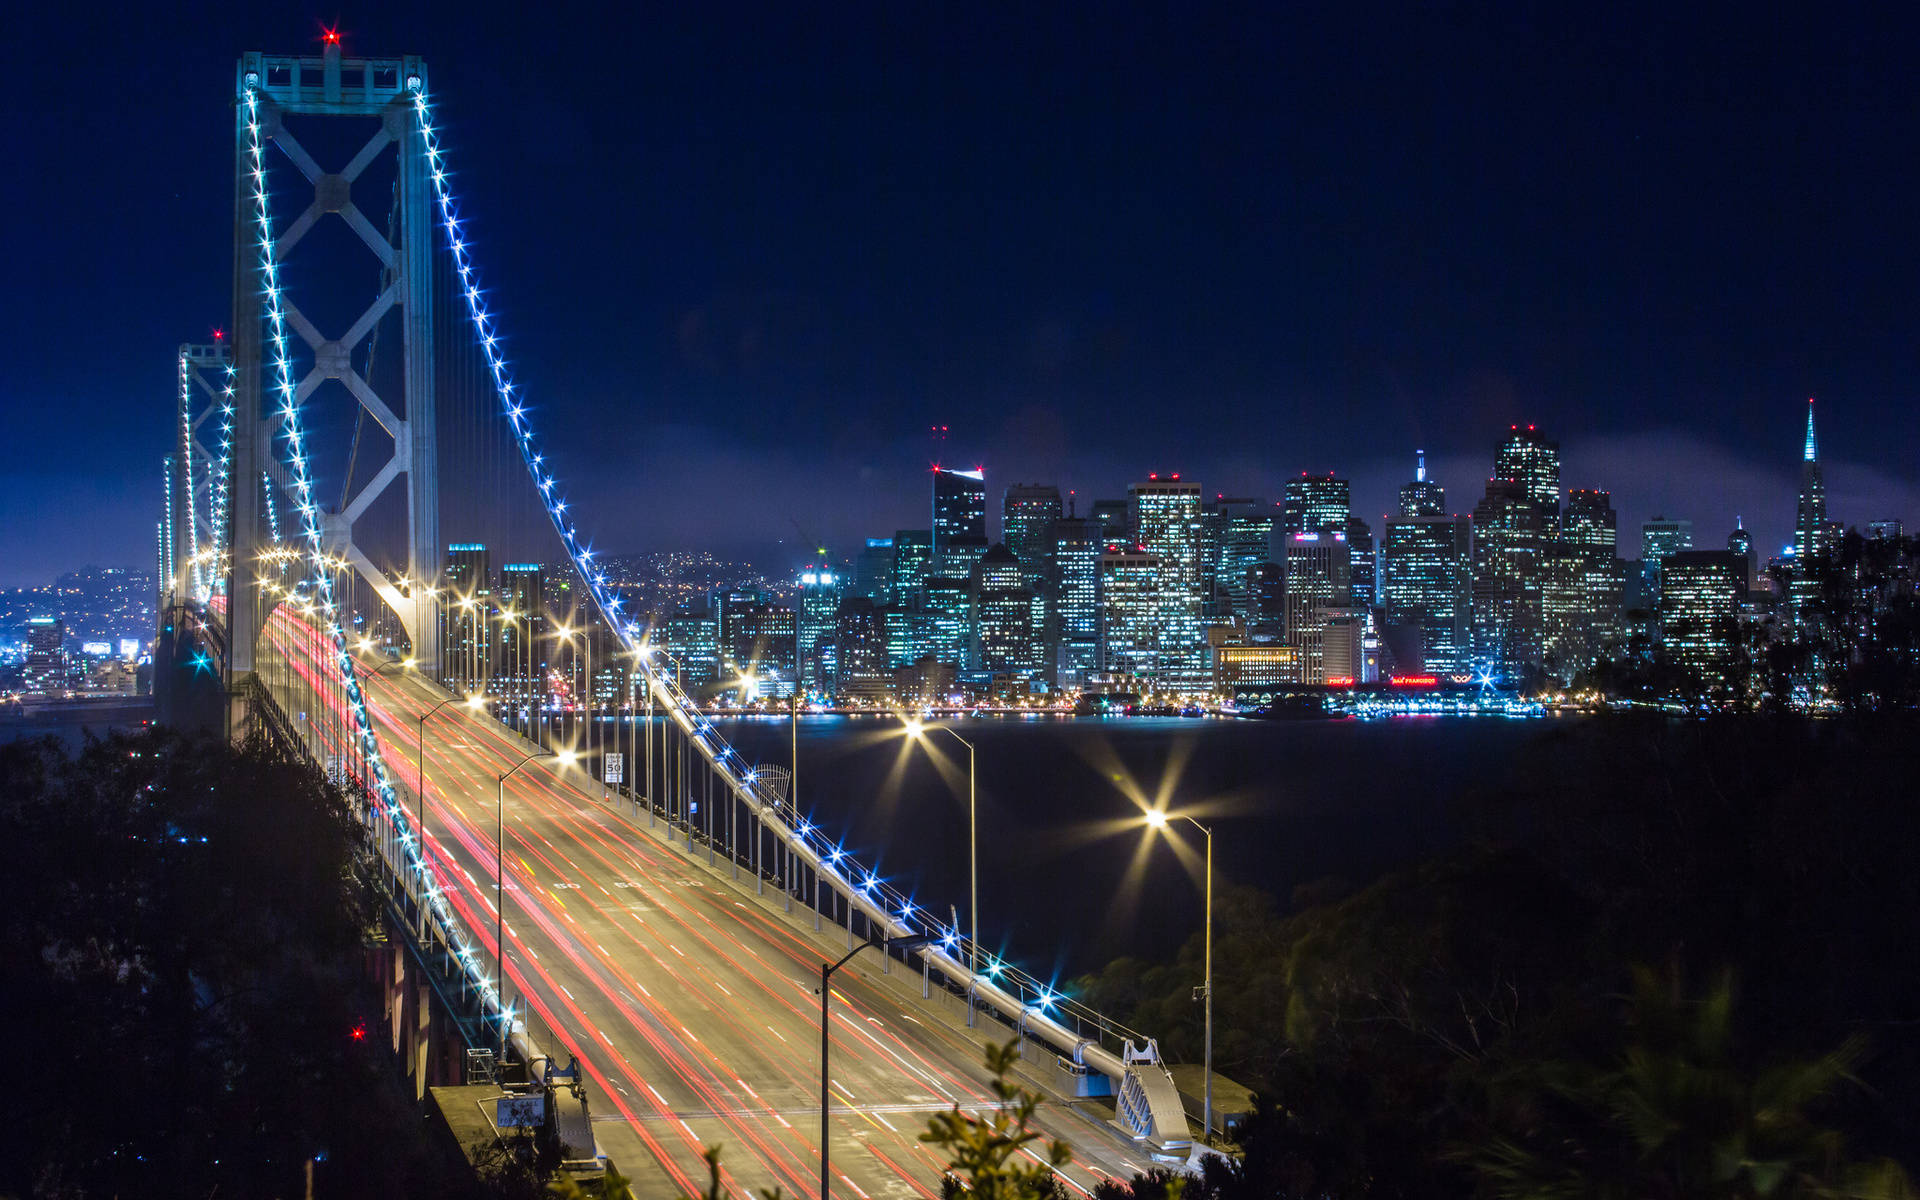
<point>1445,226</point>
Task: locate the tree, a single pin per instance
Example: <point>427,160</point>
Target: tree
<point>1676,1113</point>
<point>983,1155</point>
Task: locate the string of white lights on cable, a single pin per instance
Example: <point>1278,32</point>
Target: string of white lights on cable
<point>322,581</point>
<point>221,568</point>
<point>832,855</point>
<point>186,465</point>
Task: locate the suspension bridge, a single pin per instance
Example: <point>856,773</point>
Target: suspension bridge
<point>604,881</point>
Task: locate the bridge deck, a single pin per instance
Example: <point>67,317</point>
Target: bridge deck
<point>691,1002</point>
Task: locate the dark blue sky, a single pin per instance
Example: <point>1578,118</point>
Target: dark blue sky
<point>748,255</point>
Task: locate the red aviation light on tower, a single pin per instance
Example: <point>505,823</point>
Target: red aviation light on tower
<point>331,36</point>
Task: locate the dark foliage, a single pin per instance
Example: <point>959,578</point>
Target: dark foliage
<point>1385,1029</point>
<point>182,950</point>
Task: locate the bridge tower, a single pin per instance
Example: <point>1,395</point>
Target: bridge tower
<point>332,87</point>
<point>198,532</point>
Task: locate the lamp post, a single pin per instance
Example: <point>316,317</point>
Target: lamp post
<point>826,977</point>
<point>918,731</point>
<point>500,880</point>
<point>420,755</point>
<point>1157,818</point>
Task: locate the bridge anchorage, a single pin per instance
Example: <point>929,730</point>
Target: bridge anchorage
<point>298,597</point>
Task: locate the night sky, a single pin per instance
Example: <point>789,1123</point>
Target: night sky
<point>746,257</point>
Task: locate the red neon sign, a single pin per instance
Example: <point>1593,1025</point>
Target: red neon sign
<point>1416,681</point>
<point>1339,681</point>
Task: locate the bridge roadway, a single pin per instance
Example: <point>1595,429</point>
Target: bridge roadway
<point>691,1002</point>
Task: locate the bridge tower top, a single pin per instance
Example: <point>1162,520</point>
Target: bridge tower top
<point>268,384</point>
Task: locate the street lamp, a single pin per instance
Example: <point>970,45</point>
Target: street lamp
<point>918,732</point>
<point>826,977</point>
<point>420,751</point>
<point>1157,819</point>
<point>563,757</point>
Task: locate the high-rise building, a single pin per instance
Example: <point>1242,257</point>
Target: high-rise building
<point>1515,539</point>
<point>1511,544</point>
<point>1077,544</point>
<point>522,614</point>
<point>470,645</point>
<point>821,590</point>
<point>1662,536</point>
<point>863,671</point>
<point>690,636</point>
<point>1426,587</point>
<point>1319,579</point>
<point>1245,537</point>
<point>959,520</point>
<point>1740,542</point>
<point>1027,514</point>
<point>873,571</point>
<point>1812,535</point>
<point>1130,623</point>
<point>1316,504</point>
<point>1006,638</point>
<point>1115,520</point>
<point>1585,587</point>
<point>1700,595</point>
<point>1422,497</point>
<point>904,630</point>
<point>912,563</point>
<point>469,570</point>
<point>1886,529</point>
<point>1531,460</point>
<point>948,628</point>
<point>45,672</point>
<point>1166,519</point>
<point>1364,570</point>
<point>1267,600</point>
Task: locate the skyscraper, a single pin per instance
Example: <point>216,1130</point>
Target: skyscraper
<point>1810,521</point>
<point>820,593</point>
<point>1115,521</point>
<point>1812,537</point>
<point>1246,538</point>
<point>45,669</point>
<point>949,619</point>
<point>1740,542</point>
<point>912,563</point>
<point>1585,588</point>
<point>523,626</point>
<point>1129,620</point>
<point>1166,519</point>
<point>1027,514</point>
<point>1510,548</point>
<point>1662,536</point>
<point>1077,544</point>
<point>959,520</point>
<point>860,644</point>
<point>1529,459</point>
<point>1515,531</point>
<point>1700,596</point>
<point>1316,503</point>
<point>1319,579</point>
<point>1005,638</point>
<point>1422,498</point>
<point>1364,565</point>
<point>873,571</point>
<point>468,656</point>
<point>1426,586</point>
